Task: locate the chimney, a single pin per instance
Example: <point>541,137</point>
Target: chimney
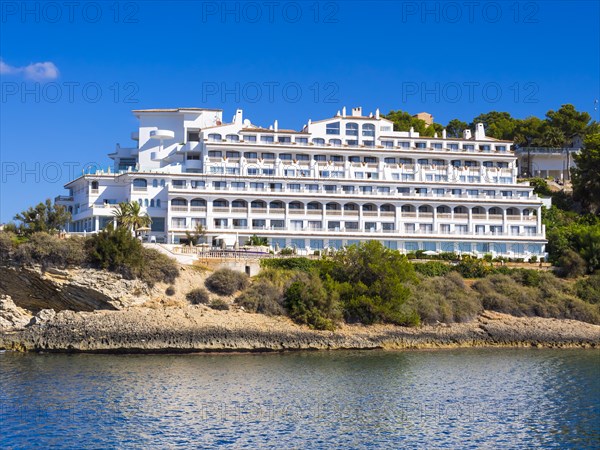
<point>377,113</point>
<point>276,125</point>
<point>308,126</point>
<point>479,132</point>
<point>467,134</point>
<point>411,132</point>
<point>344,111</point>
<point>337,114</point>
<point>238,116</point>
<point>357,112</point>
<point>444,133</point>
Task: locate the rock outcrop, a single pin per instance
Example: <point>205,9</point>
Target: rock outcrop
<point>11,316</point>
<point>73,289</point>
<point>200,329</point>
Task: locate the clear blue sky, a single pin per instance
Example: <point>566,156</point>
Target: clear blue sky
<point>90,65</point>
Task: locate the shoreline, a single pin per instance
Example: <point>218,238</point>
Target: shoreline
<point>198,329</point>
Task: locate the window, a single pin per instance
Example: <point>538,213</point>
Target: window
<point>302,157</point>
<point>332,128</point>
<point>351,225</point>
<point>421,144</point>
<point>335,142</point>
<point>158,202</point>
<point>139,184</point>
<point>250,155</point>
<point>445,228</point>
<point>269,156</point>
<point>277,223</point>
<point>197,184</point>
<point>252,171</point>
<point>284,139</point>
<point>370,226</point>
<point>289,173</point>
<point>232,138</point>
<point>257,186</point>
<point>390,160</point>
<point>368,129</point>
<point>369,143</point>
<point>214,137</point>
<point>162,183</point>
<point>232,154</point>
<point>178,222</point>
<point>484,147</point>
<point>500,148</point>
<point>453,146</point>
<point>179,184</point>
<point>269,172</point>
<point>214,154</point>
<point>437,146</point>
<point>387,226</point>
<point>193,156</point>
<point>387,144</point>
<point>319,141</point>
<point>330,188</point>
<point>158,224</point>
<point>348,188</point>
<point>296,224</point>
<point>267,139</point>
<point>293,187</point>
<point>403,144</point>
<point>154,183</point>
<point>301,140</point>
<point>468,147</point>
<point>238,185</point>
<point>352,129</point>
<point>250,138</point>
<point>354,159</point>
<point>220,185</point>
<point>193,136</point>
<point>352,142</point>
<point>285,156</point>
<point>370,159</point>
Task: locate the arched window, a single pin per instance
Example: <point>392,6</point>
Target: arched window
<point>158,202</point>
<point>319,141</point>
<point>162,183</point>
<point>146,202</point>
<point>368,129</point>
<point>155,183</point>
<point>214,137</point>
<point>140,183</point>
<point>232,137</point>
<point>335,142</point>
<point>94,185</point>
<point>152,203</point>
<point>351,129</point>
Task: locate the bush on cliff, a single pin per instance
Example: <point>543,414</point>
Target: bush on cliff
<point>219,305</point>
<point>444,299</point>
<point>226,281</point>
<point>433,268</point>
<point>198,296</point>
<point>551,298</point>
<point>588,289</point>
<point>50,251</point>
<point>309,302</point>
<point>118,251</point>
<point>6,245</point>
<point>263,297</point>
<point>371,281</point>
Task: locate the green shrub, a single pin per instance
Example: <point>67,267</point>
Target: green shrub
<point>433,268</point>
<point>198,296</point>
<point>6,245</point>
<point>571,265</point>
<point>117,250</point>
<point>51,251</point>
<point>308,302</point>
<point>286,251</point>
<point>588,289</point>
<point>264,297</point>
<point>226,281</point>
<point>170,291</point>
<point>219,305</point>
<point>157,267</point>
<point>472,268</point>
<point>299,263</point>
<point>444,299</point>
<point>551,298</point>
<point>533,259</point>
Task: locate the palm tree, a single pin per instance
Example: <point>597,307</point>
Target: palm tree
<point>553,137</point>
<point>129,215</point>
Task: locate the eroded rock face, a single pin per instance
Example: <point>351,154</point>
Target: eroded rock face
<point>74,289</point>
<point>11,316</point>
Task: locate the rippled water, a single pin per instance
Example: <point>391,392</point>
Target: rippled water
<point>468,398</point>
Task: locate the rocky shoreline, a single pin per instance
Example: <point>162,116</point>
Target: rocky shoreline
<point>201,329</point>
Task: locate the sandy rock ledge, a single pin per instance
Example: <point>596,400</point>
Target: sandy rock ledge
<point>200,329</point>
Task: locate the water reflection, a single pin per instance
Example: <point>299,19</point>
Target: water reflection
<point>468,398</point>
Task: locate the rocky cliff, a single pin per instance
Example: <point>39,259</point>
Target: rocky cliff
<point>79,289</point>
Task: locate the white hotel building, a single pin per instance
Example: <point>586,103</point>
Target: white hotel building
<point>335,182</point>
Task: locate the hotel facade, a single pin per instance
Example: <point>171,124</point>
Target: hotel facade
<point>336,182</point>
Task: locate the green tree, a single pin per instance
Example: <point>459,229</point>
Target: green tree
<point>46,217</point>
<point>568,120</point>
<point>129,215</point>
<point>197,236</point>
<point>499,125</point>
<point>455,128</point>
<point>528,131</point>
<point>552,137</point>
<point>586,175</point>
<point>257,241</point>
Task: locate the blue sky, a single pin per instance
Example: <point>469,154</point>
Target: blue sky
<point>71,75</point>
